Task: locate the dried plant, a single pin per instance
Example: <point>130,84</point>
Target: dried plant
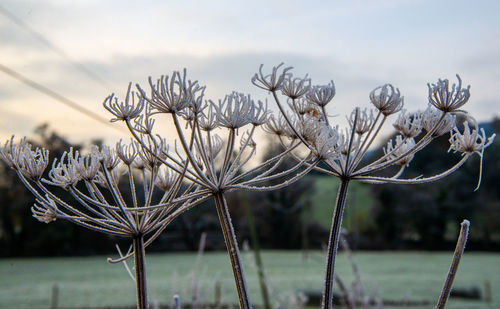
<point>342,151</point>
<point>211,164</point>
<point>95,200</point>
<point>202,165</point>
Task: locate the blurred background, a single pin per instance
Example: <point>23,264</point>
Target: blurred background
<point>60,59</point>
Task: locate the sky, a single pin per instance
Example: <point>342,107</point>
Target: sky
<point>86,50</point>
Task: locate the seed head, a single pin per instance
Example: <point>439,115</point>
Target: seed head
<point>445,99</point>
<point>470,140</point>
<point>295,88</point>
<point>409,125</point>
<point>387,99</point>
<point>45,211</point>
<point>397,150</point>
<point>364,122</point>
<point>273,81</point>
<point>65,172</point>
<point>321,95</point>
<point>125,110</point>
<point>430,119</point>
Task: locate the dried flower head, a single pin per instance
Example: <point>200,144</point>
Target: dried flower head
<point>165,179</point>
<point>364,121</point>
<point>437,122</point>
<point>409,124</point>
<point>387,99</point>
<point>398,150</point>
<point>172,94</point>
<point>321,95</point>
<point>45,210</point>
<point>235,111</point>
<point>295,88</point>
<point>445,99</point>
<point>126,153</point>
<point>273,81</point>
<point>470,140</point>
<point>125,110</point>
<point>65,172</point>
<point>327,143</point>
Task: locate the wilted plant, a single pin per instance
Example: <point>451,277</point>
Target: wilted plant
<point>342,150</point>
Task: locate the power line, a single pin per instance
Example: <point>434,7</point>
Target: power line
<point>40,37</point>
<point>57,96</point>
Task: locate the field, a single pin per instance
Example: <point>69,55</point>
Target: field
<point>91,282</point>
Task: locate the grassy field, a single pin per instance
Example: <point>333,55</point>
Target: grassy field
<point>90,281</point>
<point>359,202</point>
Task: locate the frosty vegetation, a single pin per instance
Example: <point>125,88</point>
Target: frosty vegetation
<point>215,141</point>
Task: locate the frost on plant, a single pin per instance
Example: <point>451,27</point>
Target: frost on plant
<point>342,150</point>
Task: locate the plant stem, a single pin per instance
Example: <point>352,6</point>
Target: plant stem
<point>256,251</point>
<point>457,255</point>
<point>333,243</point>
<point>232,249</point>
<point>140,272</point>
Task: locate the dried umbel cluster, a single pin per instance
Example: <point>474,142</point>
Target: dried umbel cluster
<point>96,200</point>
<point>214,143</point>
<point>342,150</point>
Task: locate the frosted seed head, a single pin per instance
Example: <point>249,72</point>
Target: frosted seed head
<point>106,156</point>
<point>364,121</point>
<point>88,165</point>
<point>45,211</point>
<point>207,120</point>
<point>409,124</point>
<point>431,118</point>
<point>295,88</point>
<point>326,144</point>
<point>10,152</point>
<point>446,99</point>
<point>321,95</point>
<point>469,140</point>
<point>65,172</point>
<point>129,109</point>
<point>235,111</point>
<point>398,150</point>
<point>126,152</point>
<point>387,99</point>
<point>165,179</point>
<point>31,163</point>
<point>273,81</point>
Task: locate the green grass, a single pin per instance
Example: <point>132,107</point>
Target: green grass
<point>90,281</point>
<point>358,204</point>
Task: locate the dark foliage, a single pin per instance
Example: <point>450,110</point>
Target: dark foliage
<point>420,216</point>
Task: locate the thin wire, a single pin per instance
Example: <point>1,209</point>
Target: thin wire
<point>41,38</point>
<point>57,97</point>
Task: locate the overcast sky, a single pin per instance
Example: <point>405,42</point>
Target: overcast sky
<point>358,44</point>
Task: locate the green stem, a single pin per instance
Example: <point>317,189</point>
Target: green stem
<point>140,272</point>
<point>232,249</point>
<point>333,243</point>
